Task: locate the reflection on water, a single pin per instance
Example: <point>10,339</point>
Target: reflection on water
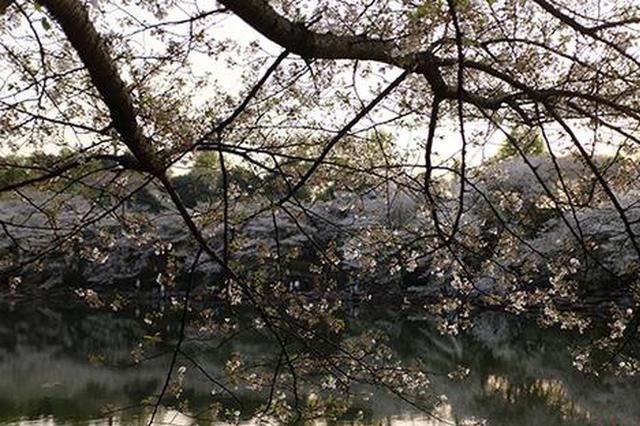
<point>551,391</point>
<point>71,365</point>
<point>442,417</point>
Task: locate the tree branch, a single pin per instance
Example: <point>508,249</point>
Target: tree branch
<point>72,16</point>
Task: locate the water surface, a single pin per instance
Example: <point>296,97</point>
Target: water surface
<point>62,363</point>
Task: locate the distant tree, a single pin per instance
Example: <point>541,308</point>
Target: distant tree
<point>522,140</point>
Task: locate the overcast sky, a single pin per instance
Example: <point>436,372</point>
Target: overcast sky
<point>448,141</point>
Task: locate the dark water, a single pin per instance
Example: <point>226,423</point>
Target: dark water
<point>63,363</point>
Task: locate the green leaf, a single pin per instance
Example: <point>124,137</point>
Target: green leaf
<point>45,24</point>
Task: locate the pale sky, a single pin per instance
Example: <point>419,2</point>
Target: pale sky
<point>447,143</point>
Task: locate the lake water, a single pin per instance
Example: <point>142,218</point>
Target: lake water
<point>62,363</point>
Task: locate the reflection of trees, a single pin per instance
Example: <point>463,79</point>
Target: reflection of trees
<point>523,377</point>
<point>520,376</point>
